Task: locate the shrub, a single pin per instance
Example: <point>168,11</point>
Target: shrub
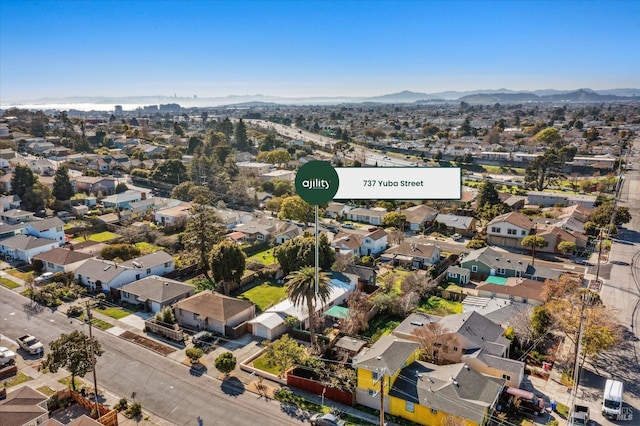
<point>134,410</point>
<point>123,404</point>
<point>194,354</point>
<point>74,311</point>
<point>122,251</point>
<point>225,363</point>
<point>476,244</point>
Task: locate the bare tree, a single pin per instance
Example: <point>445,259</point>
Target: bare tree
<point>432,337</point>
<point>359,306</point>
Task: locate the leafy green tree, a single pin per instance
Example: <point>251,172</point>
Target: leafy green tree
<point>37,197</point>
<point>73,353</point>
<point>295,208</point>
<point>194,143</point>
<point>123,252</point>
<point>200,235</point>
<point>22,180</point>
<point>342,147</point>
<point>227,263</point>
<point>475,244</point>
<point>194,354</point>
<point>301,289</point>
<point>300,252</point>
<point>567,247</point>
<point>549,136</point>
<point>602,214</point>
<point>540,321</point>
<point>284,353</point>
<point>166,315</point>
<point>170,171</point>
<point>279,156</point>
<point>62,188</point>
<point>242,142</point>
<point>394,219</point>
<point>226,363</point>
<point>181,192</point>
<point>121,187</point>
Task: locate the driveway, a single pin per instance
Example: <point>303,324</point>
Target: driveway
<point>136,320</point>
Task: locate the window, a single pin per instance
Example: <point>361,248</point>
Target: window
<point>506,377</point>
<point>495,229</point>
<point>372,393</point>
<point>49,265</point>
<point>167,264</point>
<point>493,294</point>
<point>453,275</point>
<point>125,294</point>
<point>137,276</point>
<point>511,231</point>
<point>524,300</point>
<point>59,229</point>
<point>408,406</point>
<point>455,349</point>
<point>195,316</point>
<point>501,271</point>
<point>474,268</point>
<point>434,411</point>
<point>375,375</point>
<point>148,270</point>
<point>523,233</point>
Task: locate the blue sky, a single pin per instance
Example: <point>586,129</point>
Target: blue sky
<point>313,48</point>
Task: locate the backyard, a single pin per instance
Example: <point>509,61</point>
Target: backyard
<point>265,257</point>
<point>435,305</point>
<point>265,295</point>
<point>147,248</point>
<point>100,237</point>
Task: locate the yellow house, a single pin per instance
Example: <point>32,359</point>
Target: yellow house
<point>421,392</point>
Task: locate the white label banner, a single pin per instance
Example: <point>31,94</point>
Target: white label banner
<point>399,183</point>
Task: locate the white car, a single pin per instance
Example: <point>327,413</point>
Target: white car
<point>456,237</point>
<point>7,356</point>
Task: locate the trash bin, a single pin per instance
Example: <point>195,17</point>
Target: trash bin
<point>546,366</point>
<point>553,405</point>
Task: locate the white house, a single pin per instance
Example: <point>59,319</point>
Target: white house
<point>508,229</point>
<point>372,216</point>
<point>271,324</point>
<point>51,228</point>
<point>173,216</point>
<point>101,275</point>
<point>62,260</point>
<point>24,247</point>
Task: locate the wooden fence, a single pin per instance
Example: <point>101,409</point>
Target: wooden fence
<point>108,416</point>
<point>300,379</point>
<point>161,330</point>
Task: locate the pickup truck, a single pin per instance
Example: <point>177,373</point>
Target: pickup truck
<point>579,416</point>
<point>7,356</point>
<point>30,344</point>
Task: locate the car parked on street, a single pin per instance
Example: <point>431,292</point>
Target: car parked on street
<point>7,356</point>
<point>326,420</point>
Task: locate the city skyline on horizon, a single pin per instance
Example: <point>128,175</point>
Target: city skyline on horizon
<point>315,49</point>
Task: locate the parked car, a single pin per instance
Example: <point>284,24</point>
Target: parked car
<point>579,416</point>
<point>203,338</point>
<point>348,226</point>
<point>30,344</point>
<point>44,278</point>
<point>7,356</point>
<point>326,420</point>
<point>456,237</point>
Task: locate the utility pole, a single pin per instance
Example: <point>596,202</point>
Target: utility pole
<point>93,361</point>
<point>381,392</point>
<point>533,244</point>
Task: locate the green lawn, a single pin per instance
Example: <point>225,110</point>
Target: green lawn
<point>100,237</point>
<point>146,248</point>
<point>19,274</point>
<point>67,382</point>
<point>19,378</point>
<point>382,324</point>
<point>261,364</point>
<point>102,325</point>
<point>265,295</point>
<point>46,390</point>
<point>437,306</point>
<point>115,313</point>
<point>6,282</point>
<point>265,257</point>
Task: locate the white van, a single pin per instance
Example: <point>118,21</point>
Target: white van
<point>612,400</point>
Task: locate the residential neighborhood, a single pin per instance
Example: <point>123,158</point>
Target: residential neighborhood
<point>182,235</point>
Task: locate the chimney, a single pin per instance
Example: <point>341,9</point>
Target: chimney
<point>144,195</point>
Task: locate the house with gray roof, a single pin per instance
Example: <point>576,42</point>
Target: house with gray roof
<point>104,275</point>
<point>509,229</point>
<point>412,255</point>
<point>371,216</point>
<point>463,225</point>
<point>16,216</point>
<point>10,230</point>
<point>419,216</point>
<point>24,406</point>
<point>52,228</point>
<point>438,394</point>
<point>155,293</point>
<point>467,337</point>
<point>122,200</point>
<point>25,247</point>
<point>489,261</point>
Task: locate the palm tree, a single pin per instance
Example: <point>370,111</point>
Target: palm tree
<point>301,290</point>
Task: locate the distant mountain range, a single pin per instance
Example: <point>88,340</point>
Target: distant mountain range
<point>472,97</point>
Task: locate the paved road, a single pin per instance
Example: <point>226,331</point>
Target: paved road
<point>621,292</point>
<point>164,387</point>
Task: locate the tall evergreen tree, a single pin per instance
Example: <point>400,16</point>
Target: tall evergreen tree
<point>226,127</point>
<point>62,188</point>
<point>22,180</point>
<point>242,142</point>
<point>227,264</point>
<point>201,234</point>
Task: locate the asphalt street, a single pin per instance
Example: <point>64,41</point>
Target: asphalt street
<point>164,387</point>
